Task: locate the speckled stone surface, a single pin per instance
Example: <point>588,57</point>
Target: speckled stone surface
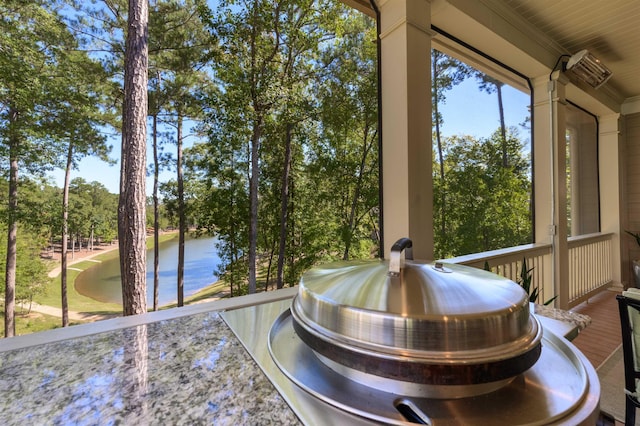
<point>184,371</point>
<point>188,370</point>
<point>579,320</point>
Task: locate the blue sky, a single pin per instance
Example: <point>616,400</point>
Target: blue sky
<point>466,111</point>
<point>471,112</point>
<point>93,169</point>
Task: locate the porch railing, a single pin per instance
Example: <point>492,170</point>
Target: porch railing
<point>590,267</point>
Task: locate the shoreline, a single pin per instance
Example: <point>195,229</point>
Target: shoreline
<point>86,254</point>
<point>200,296</point>
<point>206,288</point>
<point>83,255</point>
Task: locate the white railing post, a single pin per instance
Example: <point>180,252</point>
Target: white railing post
<point>589,266</point>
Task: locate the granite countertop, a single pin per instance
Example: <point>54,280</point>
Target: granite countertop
<point>180,366</point>
<point>189,370</point>
<point>564,323</point>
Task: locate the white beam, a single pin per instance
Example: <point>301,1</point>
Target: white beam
<point>405,38</point>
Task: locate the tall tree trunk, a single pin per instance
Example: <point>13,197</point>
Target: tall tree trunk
<point>233,253</point>
<point>503,127</point>
<point>292,230</point>
<point>65,236</point>
<point>12,234</point>
<point>253,201</point>
<point>352,224</point>
<point>284,198</point>
<point>156,217</point>
<point>443,192</point>
<point>270,265</point>
<point>132,201</point>
<point>259,110</point>
<point>182,223</point>
<point>234,259</point>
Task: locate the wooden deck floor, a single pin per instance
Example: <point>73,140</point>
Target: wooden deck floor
<point>603,335</point>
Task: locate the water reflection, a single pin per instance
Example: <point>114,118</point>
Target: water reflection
<point>134,388</point>
<point>122,387</point>
<point>209,362</point>
<point>90,397</point>
<point>102,282</point>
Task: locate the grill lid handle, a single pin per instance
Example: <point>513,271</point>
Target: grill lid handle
<point>396,252</point>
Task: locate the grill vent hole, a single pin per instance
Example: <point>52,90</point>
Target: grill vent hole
<point>411,413</point>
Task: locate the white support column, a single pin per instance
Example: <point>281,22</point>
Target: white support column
<point>542,175</point>
<point>610,148</point>
<point>542,172</point>
<point>550,176</point>
<point>557,88</point>
<point>406,124</point>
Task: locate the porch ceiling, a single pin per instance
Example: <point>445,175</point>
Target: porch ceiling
<point>608,29</point>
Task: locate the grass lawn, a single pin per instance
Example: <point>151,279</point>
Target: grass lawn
<point>213,290</point>
<point>78,302</point>
<point>36,321</point>
<point>33,322</point>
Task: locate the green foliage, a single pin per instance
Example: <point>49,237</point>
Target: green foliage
<point>92,210</point>
<point>447,72</point>
<point>164,220</point>
<point>488,205</point>
<point>32,322</point>
<point>482,186</point>
<point>31,271</point>
<point>526,279</point>
<point>39,210</point>
<point>311,84</point>
<point>52,99</point>
<point>345,155</point>
<point>50,90</point>
<point>260,75</point>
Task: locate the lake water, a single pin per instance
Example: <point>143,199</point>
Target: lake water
<point>102,281</point>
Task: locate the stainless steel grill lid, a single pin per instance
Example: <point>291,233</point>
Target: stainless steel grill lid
<point>449,324</point>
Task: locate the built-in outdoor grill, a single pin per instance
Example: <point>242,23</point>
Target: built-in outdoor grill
<point>403,341</point>
<point>420,329</point>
